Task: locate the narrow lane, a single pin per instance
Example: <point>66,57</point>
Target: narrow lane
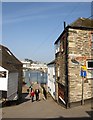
<point>44,109</point>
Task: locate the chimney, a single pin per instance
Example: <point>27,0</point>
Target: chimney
<point>64,24</point>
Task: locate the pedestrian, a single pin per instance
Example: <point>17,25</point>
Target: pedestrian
<point>44,93</point>
<point>30,88</point>
<point>37,91</point>
<point>32,93</point>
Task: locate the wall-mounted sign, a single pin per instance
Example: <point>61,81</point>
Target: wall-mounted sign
<point>84,68</point>
<point>83,73</point>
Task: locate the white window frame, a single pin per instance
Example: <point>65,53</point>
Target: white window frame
<point>87,64</point>
<point>3,74</point>
<point>92,37</point>
<point>89,69</point>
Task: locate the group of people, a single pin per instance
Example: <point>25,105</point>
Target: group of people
<point>34,93</point>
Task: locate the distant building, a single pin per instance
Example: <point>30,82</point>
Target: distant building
<point>74,51</point>
<point>39,66</point>
<point>26,64</point>
<point>10,75</point>
<point>34,66</point>
<point>51,78</point>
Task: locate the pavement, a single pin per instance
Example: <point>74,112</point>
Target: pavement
<point>44,110</point>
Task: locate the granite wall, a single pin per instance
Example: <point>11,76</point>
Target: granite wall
<point>79,52</point>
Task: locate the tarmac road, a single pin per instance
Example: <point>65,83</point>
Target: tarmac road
<point>44,109</point>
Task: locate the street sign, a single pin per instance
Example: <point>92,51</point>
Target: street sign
<point>84,68</point>
<point>83,73</point>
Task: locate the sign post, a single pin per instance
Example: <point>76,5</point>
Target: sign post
<point>82,90</point>
<point>83,75</point>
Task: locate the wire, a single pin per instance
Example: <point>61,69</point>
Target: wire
<point>56,29</point>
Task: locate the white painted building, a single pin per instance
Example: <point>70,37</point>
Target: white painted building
<point>26,64</point>
<point>3,79</point>
<point>51,78</point>
<point>34,66</point>
<point>8,83</point>
<point>10,75</point>
<point>38,66</point>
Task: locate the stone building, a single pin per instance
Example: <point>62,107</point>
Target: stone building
<point>10,75</point>
<point>74,51</point>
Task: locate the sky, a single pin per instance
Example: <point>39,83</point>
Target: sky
<point>29,29</point>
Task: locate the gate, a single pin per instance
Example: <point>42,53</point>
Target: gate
<point>61,93</point>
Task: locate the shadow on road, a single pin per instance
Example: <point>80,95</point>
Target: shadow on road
<point>60,118</point>
<point>90,113</point>
<point>24,99</point>
<point>16,102</point>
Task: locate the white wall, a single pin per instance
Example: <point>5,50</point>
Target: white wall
<point>9,84</point>
<point>51,80</point>
<point>3,80</point>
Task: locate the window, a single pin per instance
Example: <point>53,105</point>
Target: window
<point>57,47</point>
<point>62,46</point>
<point>92,42</point>
<point>2,74</point>
<point>92,45</point>
<point>92,38</point>
<point>90,64</point>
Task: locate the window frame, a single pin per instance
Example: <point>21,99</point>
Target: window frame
<point>89,68</point>
<point>57,47</point>
<point>3,74</point>
<point>92,41</point>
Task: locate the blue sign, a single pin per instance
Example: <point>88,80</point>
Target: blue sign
<point>83,73</point>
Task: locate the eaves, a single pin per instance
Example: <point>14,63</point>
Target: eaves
<point>73,27</point>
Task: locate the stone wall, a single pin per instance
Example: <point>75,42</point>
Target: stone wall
<point>60,71</point>
<point>79,49</point>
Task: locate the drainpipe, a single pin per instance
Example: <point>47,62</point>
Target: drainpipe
<point>66,72</point>
<point>66,68</point>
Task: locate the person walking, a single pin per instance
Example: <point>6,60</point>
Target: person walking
<point>32,95</point>
<point>37,94</point>
<point>44,93</point>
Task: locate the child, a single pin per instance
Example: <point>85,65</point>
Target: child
<point>32,95</point>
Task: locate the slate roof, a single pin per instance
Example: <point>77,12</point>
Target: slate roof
<point>8,60</point>
<point>83,22</point>
<point>80,23</point>
<point>52,62</point>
